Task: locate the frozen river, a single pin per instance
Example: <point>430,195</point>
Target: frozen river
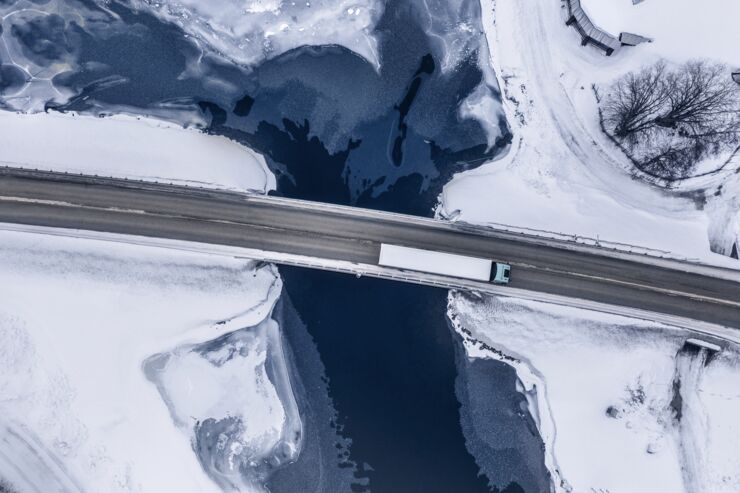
<point>388,400</point>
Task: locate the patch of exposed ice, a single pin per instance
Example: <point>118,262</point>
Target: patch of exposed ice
<point>39,40</point>
<point>453,28</point>
<point>248,32</point>
<point>233,399</point>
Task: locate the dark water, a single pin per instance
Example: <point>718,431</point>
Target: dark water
<point>499,431</point>
<point>323,464</point>
<point>391,366</point>
<point>379,374</point>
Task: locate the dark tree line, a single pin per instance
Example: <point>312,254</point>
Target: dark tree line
<point>670,119</point>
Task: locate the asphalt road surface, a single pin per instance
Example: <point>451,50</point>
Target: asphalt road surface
<point>350,234</point>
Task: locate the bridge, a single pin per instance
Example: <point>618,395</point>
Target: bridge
<point>286,231</point>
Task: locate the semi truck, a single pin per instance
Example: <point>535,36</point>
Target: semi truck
<point>446,264</point>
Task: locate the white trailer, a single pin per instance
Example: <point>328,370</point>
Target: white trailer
<point>446,264</point>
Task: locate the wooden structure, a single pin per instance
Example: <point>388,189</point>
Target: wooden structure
<point>736,75</point>
<point>590,34</point>
<point>630,39</point>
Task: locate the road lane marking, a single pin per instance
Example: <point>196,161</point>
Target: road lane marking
<point>644,287</point>
<point>671,292</point>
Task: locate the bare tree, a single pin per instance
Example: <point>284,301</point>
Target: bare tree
<point>635,100</point>
<point>669,120</point>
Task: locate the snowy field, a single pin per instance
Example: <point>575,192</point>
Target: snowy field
<point>79,317</point>
<point>602,389</point>
<point>129,147</point>
<point>680,29</point>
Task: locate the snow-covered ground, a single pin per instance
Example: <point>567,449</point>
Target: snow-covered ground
<point>129,147</point>
<point>78,317</point>
<point>602,391</point>
<point>601,387</point>
<point>561,173</point>
<point>680,29</point>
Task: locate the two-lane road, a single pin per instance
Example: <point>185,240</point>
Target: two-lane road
<point>349,234</point>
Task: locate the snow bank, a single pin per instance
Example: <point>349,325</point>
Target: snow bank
<point>680,29</point>
<point>544,203</point>
<point>719,399</point>
<point>602,391</point>
<point>248,32</point>
<point>130,147</point>
<point>77,319</point>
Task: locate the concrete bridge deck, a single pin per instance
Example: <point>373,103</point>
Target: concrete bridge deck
<point>348,239</point>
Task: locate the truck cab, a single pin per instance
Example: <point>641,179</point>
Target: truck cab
<point>501,273</point>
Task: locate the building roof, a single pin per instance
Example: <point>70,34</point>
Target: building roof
<point>587,28</point>
<point>632,39</point>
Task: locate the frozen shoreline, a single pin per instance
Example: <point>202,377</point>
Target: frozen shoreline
<point>602,391</point>
<point>256,30</point>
